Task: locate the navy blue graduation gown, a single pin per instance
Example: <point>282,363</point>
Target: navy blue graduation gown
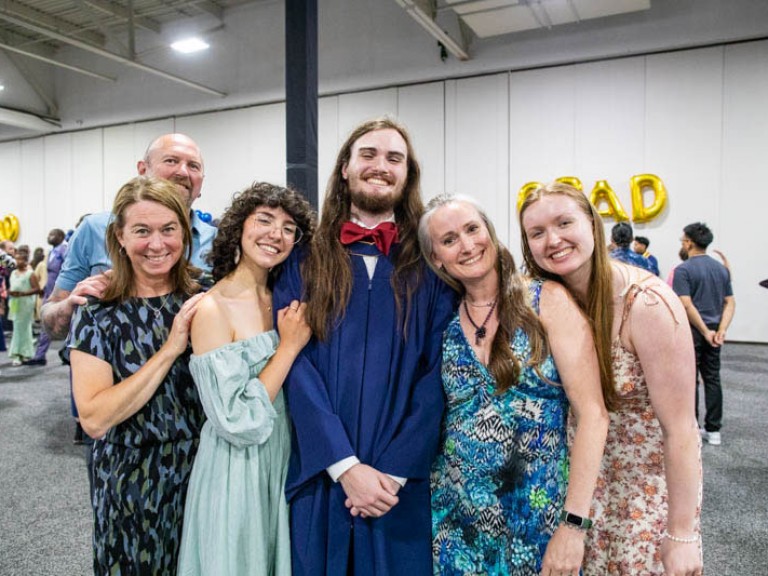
<point>375,393</point>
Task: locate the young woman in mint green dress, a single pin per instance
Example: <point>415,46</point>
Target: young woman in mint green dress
<point>236,515</point>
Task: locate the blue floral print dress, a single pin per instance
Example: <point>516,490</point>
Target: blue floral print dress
<point>141,467</point>
<point>499,480</point>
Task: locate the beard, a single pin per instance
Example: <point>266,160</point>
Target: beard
<point>375,204</point>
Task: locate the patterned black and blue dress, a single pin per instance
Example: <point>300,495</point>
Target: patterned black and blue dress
<point>142,465</point>
<point>499,480</point>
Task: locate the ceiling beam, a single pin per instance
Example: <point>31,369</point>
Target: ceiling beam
<point>122,12</point>
<point>112,56</point>
<point>210,8</point>
<point>423,12</point>
<point>50,103</point>
<point>49,60</point>
<point>16,10</point>
<point>27,121</point>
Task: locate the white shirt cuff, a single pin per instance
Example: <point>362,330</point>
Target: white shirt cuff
<point>336,470</point>
<point>399,480</point>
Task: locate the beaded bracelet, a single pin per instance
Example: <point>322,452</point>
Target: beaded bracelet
<point>691,540</point>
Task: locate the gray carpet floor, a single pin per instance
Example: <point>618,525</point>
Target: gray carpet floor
<point>45,519</point>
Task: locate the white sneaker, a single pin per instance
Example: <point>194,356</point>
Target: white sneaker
<point>713,438</point>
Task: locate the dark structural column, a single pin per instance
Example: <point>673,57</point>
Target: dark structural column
<point>301,96</point>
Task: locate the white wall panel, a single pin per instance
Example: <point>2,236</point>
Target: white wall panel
<point>743,190</point>
<point>354,109</point>
<point>609,127</point>
<point>58,196</point>
<point>542,132</point>
<point>239,147</point>
<point>421,109</point>
<point>124,146</point>
<point>477,145</point>
<point>12,178</point>
<point>328,143</point>
<point>683,144</point>
<point>33,169</point>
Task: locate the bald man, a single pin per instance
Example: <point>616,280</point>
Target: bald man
<point>175,157</point>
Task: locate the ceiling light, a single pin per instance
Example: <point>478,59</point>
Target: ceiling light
<point>2,87</point>
<point>190,45</point>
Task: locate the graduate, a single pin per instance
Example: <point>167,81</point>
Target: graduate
<point>365,395</point>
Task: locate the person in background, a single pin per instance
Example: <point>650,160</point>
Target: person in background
<point>22,295</point>
<point>7,265</point>
<point>640,246</point>
<point>621,237</point>
<point>647,503</point>
<point>174,157</point>
<point>517,354</point>
<point>37,256</point>
<point>41,272</point>
<point>236,515</point>
<point>704,287</point>
<point>52,266</point>
<point>134,393</point>
<point>365,395</point>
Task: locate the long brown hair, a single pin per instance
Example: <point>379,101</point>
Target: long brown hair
<point>163,192</point>
<point>598,306</point>
<point>327,272</point>
<point>514,307</point>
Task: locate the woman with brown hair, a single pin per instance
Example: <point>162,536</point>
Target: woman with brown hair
<point>132,386</point>
<point>236,516</point>
<point>648,499</point>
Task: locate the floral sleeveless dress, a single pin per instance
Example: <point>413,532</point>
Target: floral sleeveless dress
<point>499,480</point>
<point>629,507</point>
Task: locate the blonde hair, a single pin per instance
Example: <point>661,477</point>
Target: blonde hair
<point>597,306</point>
<point>513,306</point>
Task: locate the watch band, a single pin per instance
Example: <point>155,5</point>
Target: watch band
<point>575,520</point>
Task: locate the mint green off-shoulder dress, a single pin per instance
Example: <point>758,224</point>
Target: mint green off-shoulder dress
<point>236,515</point>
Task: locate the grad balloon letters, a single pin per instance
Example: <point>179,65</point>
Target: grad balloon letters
<point>607,203</point>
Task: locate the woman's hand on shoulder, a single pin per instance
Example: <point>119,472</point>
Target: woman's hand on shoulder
<point>178,339</point>
<point>293,327</point>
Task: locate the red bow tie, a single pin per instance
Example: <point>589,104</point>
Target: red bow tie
<point>384,235</point>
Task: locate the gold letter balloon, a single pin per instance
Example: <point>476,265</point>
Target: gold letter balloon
<point>9,228</point>
<point>529,187</point>
<point>608,205</point>
<point>638,185</point>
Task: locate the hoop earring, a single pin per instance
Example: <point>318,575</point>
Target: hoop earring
<point>121,251</point>
<point>237,255</point>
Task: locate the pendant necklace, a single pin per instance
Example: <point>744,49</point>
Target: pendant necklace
<point>158,311</point>
<point>480,330</point>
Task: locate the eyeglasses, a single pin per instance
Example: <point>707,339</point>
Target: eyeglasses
<point>290,232</point>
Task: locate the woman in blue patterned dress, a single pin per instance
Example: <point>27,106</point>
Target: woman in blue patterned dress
<point>236,516</point>
<point>517,356</point>
<point>132,385</point>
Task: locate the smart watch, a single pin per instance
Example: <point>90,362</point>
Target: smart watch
<point>575,521</point>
